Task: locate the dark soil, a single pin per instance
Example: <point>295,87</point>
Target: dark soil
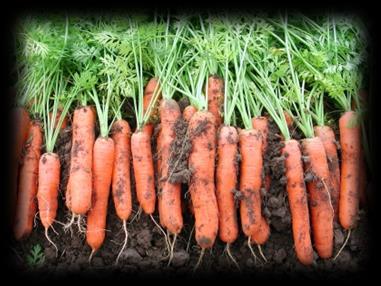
<point>145,253</point>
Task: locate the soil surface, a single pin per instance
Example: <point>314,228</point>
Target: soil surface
<point>146,254</point>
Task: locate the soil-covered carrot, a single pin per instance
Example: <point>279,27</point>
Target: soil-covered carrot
<point>215,97</point>
<point>226,182</point>
<point>103,162</point>
<point>80,176</point>
<point>202,189</point>
<point>28,183</point>
<point>327,136</point>
<point>121,181</point>
<point>250,143</point>
<point>349,185</point>
<point>297,198</point>
<point>48,184</point>
<point>151,88</point>
<point>143,170</point>
<point>319,195</point>
<point>170,193</point>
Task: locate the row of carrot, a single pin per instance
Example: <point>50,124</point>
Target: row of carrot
<point>247,87</point>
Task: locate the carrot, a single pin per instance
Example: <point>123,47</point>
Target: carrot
<point>349,184</point>
<point>261,124</point>
<point>103,162</point>
<point>170,193</point>
<point>226,181</point>
<point>121,182</point>
<point>327,136</point>
<point>58,115</point>
<point>143,170</point>
<point>48,184</point>
<point>21,123</point>
<point>250,141</point>
<point>215,98</point>
<point>262,234</point>
<point>188,112</point>
<point>319,196</point>
<point>297,198</point>
<point>202,189</point>
<point>28,183</point>
<point>149,90</point>
<point>80,174</point>
<point>289,119</point>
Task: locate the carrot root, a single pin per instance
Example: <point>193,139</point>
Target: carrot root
<point>124,243</point>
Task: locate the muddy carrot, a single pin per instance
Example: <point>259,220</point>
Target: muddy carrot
<point>188,112</point>
<point>216,98</point>
<point>28,183</point>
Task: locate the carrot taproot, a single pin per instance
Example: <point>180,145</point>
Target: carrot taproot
<point>327,136</point>
<point>297,197</point>
<point>103,162</point>
<point>143,170</point>
<point>188,112</point>
<point>250,143</point>
<point>21,122</point>
<point>48,184</point>
<point>215,98</point>
<point>201,161</point>
<point>121,181</point>
<point>170,193</point>
<point>349,183</point>
<point>319,189</point>
<point>261,123</point>
<point>151,87</point>
<point>80,174</point>
<point>226,182</point>
<point>28,183</point>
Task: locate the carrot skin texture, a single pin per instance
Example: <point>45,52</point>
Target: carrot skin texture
<point>143,170</point>
<point>297,197</point>
<point>103,155</point>
<point>250,141</point>
<point>121,180</point>
<point>226,183</point>
<point>349,185</point>
<point>215,98</point>
<point>28,183</point>
<point>319,196</point>
<point>48,184</point>
<point>188,112</point>
<point>202,188</point>
<point>170,193</point>
<point>81,161</point>
<point>327,136</point>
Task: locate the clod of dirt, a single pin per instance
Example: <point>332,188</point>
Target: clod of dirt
<point>179,153</point>
<point>97,262</point>
<point>180,258</point>
<point>280,255</point>
<point>130,255</point>
<point>183,102</point>
<point>144,238</point>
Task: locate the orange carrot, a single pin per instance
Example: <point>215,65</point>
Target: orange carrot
<point>327,136</point>
<point>48,184</point>
<point>226,181</point>
<point>297,198</point>
<point>21,123</point>
<point>319,189</point>
<point>121,182</point>
<point>215,98</point>
<point>202,189</point>
<point>28,183</point>
<point>262,234</point>
<point>251,180</point>
<point>261,124</point>
<point>103,162</point>
<point>188,112</point>
<point>149,90</point>
<point>349,185</point>
<point>80,175</point>
<point>289,119</point>
<point>143,170</point>
<point>170,193</point>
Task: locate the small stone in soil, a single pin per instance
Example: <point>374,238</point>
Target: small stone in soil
<point>180,258</point>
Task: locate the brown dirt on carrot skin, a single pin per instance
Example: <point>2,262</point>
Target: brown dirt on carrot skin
<point>145,251</point>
